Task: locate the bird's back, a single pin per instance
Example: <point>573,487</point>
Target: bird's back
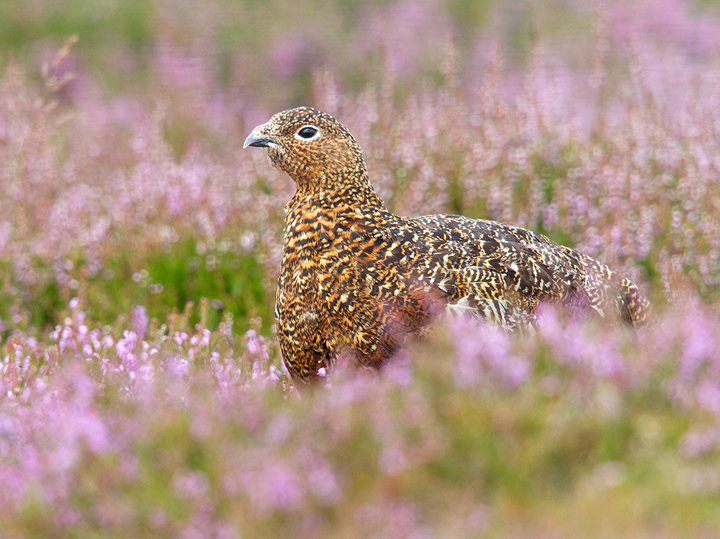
<point>503,273</point>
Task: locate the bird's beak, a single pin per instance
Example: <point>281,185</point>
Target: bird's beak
<point>258,140</point>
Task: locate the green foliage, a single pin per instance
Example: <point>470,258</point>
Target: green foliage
<point>127,21</point>
<point>167,281</point>
<point>164,281</point>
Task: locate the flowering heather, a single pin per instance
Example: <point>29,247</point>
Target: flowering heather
<point>189,430</point>
<point>141,389</point>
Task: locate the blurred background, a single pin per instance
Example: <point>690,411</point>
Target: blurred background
<point>253,57</point>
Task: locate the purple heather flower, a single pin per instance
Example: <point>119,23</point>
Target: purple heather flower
<point>708,395</point>
<point>66,340</point>
<point>701,342</point>
<point>393,460</point>
<point>482,351</point>
<point>190,484</point>
<point>139,321</point>
<point>276,487</point>
<point>256,345</point>
<point>177,367</point>
<point>125,349</point>
<point>697,443</point>
<point>323,484</point>
<point>180,337</point>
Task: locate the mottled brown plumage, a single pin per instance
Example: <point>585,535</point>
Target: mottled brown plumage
<point>355,278</point>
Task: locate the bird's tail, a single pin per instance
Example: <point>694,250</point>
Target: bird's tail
<point>634,307</point>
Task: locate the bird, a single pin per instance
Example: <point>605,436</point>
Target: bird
<point>356,279</point>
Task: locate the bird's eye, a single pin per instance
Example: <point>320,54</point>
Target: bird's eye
<point>308,132</point>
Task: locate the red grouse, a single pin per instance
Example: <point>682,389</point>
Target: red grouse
<point>355,278</point>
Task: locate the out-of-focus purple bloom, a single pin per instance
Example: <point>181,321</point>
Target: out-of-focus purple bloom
<point>697,443</point>
<point>177,367</point>
<point>126,350</point>
<point>478,520</point>
<point>256,346</point>
<point>323,483</point>
<point>701,342</point>
<point>180,337</point>
<point>424,30</point>
<point>708,395</point>
<point>190,484</point>
<point>66,339</point>
<point>139,321</point>
<point>275,487</point>
<point>399,368</point>
<point>392,460</point>
<point>292,53</point>
<point>484,354</point>
<point>202,340</point>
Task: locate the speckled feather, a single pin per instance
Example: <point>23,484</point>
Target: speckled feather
<point>356,279</point>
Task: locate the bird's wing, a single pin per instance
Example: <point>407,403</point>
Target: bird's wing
<point>503,272</point>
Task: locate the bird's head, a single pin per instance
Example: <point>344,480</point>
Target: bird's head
<point>311,146</point>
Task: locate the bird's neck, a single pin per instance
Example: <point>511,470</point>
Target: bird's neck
<point>338,192</point>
